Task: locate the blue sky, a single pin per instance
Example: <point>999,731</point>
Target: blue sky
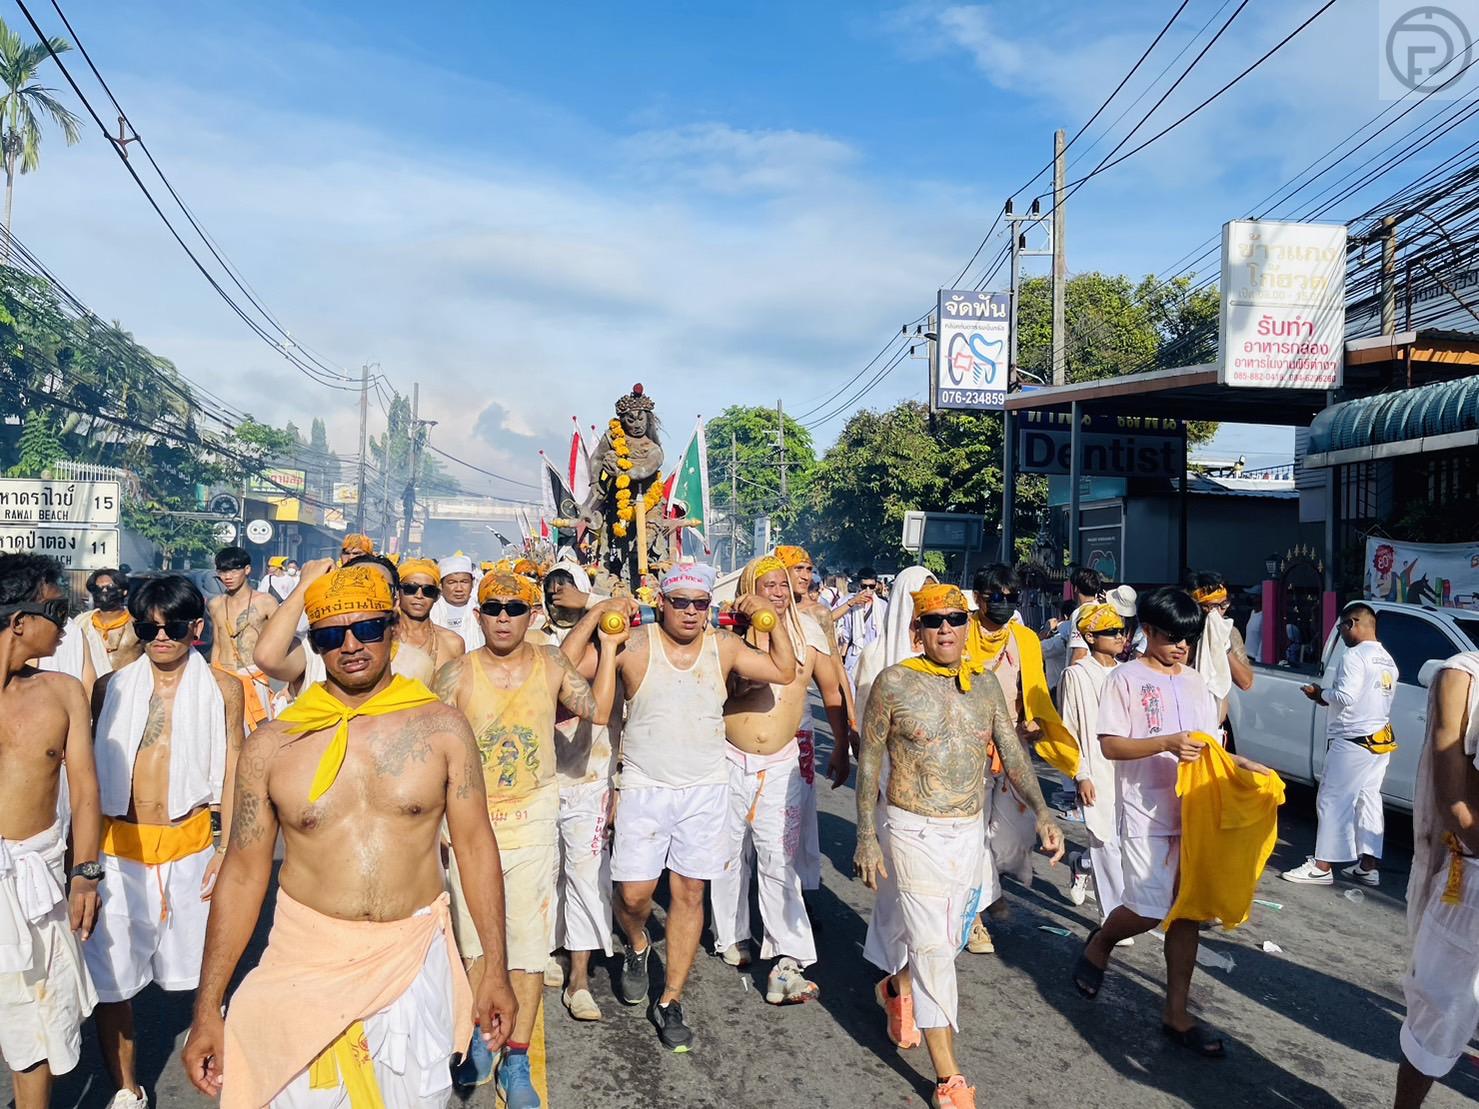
<point>529,207</point>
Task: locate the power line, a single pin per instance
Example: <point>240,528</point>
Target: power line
<point>312,372</point>
<point>479,469</point>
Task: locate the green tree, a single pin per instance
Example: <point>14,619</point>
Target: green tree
<point>39,444</point>
<point>885,464</point>
<point>24,98</point>
<point>754,433</point>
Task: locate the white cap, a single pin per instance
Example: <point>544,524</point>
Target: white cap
<point>456,564</point>
<point>1122,597</point>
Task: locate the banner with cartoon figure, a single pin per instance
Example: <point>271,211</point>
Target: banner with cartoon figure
<point>1445,575</point>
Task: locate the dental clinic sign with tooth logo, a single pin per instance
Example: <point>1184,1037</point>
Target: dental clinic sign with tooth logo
<point>972,349</point>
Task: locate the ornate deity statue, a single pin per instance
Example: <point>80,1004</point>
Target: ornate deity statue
<point>627,475</point>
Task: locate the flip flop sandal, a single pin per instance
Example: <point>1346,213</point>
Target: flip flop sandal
<point>1087,978</point>
<point>1198,1039</point>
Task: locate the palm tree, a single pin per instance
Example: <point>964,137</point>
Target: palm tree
<point>20,127</point>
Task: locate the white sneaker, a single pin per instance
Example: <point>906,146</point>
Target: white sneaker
<point>127,1099</point>
<point>1308,874</point>
<point>787,985</point>
<point>1370,877</point>
<point>1078,886</point>
<point>736,955</point>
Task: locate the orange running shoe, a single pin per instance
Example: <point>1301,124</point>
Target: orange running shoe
<point>955,1094</point>
<point>900,1012</point>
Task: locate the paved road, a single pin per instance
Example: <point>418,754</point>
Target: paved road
<point>1315,1025</point>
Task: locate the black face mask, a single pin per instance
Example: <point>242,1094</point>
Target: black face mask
<point>109,597</point>
<point>1000,613</point>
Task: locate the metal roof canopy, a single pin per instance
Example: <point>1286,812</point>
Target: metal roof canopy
<point>1372,365</point>
<point>1193,393</point>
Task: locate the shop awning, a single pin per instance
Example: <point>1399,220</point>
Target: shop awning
<point>1438,417</point>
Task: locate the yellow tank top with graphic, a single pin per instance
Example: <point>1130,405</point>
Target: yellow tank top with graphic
<point>515,730</point>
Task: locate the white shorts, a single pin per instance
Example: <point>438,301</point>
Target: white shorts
<point>1151,866</point>
<point>1442,985</point>
<point>583,898</point>
<point>528,907</point>
<point>150,927</point>
<point>680,829</point>
<point>42,1008</point>
<point>410,1042</point>
<point>926,905</point>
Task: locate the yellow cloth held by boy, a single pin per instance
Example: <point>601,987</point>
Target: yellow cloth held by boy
<point>1229,825</point>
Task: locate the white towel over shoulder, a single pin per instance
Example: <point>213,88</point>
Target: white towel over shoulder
<point>197,768</point>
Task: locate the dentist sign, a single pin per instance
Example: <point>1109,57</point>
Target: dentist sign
<point>971,354</point>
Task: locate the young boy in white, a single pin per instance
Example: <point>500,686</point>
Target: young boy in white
<point>168,731</point>
<point>1442,982</point>
<point>1358,732</point>
<point>1082,688</point>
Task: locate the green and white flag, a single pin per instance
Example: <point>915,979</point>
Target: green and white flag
<point>687,490</point>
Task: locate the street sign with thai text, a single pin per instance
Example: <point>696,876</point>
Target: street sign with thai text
<point>76,548</point>
<point>59,503</point>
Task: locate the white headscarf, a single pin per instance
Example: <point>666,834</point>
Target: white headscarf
<point>896,643</point>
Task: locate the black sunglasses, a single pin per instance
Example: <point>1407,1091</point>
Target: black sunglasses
<point>176,630</point>
<point>54,610</point>
<point>515,609</point>
<point>430,592</point>
<point>1171,638</point>
<point>683,604</point>
<point>365,631</point>
<point>934,620</point>
<point>1112,633</point>
<point>1001,598</point>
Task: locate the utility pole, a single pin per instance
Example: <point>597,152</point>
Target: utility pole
<point>385,484</point>
<point>418,433</point>
<point>1060,260</point>
<point>1389,275</point>
<point>733,502</point>
<point>1019,250</point>
<point>780,420</point>
<point>364,435</point>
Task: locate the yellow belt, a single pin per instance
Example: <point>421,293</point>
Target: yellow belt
<point>156,844</point>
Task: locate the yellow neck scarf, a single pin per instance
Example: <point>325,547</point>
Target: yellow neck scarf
<point>923,665</point>
<point>1056,746</point>
<point>105,623</point>
<point>318,709</point>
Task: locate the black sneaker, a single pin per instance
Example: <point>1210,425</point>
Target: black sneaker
<point>633,983</point>
<point>675,1035</point>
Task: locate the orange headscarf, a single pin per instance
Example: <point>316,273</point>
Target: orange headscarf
<point>792,556</point>
<point>359,588</point>
<point>501,585</point>
<point>934,597</point>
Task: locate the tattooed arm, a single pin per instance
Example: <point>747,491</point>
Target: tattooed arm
<point>877,719</point>
<point>448,680</point>
<point>1237,662</point>
<point>476,849</point>
<point>1017,765</point>
<point>235,906</point>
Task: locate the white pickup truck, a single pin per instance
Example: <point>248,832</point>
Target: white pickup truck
<point>1276,724</point>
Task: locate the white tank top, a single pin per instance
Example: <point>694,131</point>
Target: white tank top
<point>674,731</point>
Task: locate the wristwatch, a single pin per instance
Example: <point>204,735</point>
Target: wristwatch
<point>92,871</point>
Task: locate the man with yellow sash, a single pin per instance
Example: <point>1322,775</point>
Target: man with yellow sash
<point>360,999</point>
<point>1350,822</point>
<point>1441,986</point>
<point>509,690</point>
<point>237,619</point>
<point>168,731</point>
<point>937,723</point>
<point>45,914</point>
<point>998,643</point>
<point>106,628</point>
